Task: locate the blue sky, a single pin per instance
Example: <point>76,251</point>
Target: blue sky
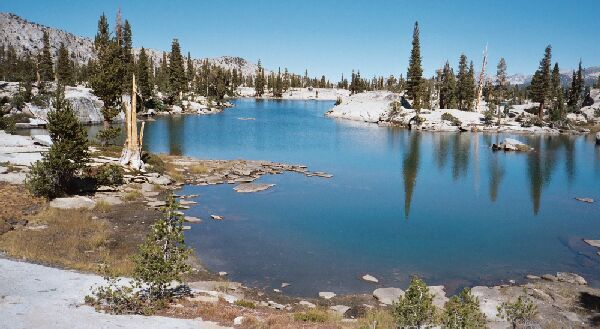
<point>332,37</point>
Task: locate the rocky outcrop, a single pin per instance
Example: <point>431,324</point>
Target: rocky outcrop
<point>510,144</point>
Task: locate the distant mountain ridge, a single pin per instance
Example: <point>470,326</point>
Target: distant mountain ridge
<point>590,75</point>
<point>26,37</point>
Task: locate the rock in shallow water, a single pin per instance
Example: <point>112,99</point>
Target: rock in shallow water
<point>252,187</point>
<point>388,296</point>
<point>326,294</point>
<point>571,278</point>
<point>370,278</point>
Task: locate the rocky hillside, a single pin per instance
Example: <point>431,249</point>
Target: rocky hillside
<point>26,37</point>
<point>590,75</point>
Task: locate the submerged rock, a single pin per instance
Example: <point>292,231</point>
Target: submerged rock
<point>326,294</point>
<point>586,200</point>
<point>252,187</point>
<point>370,278</point>
<point>510,144</point>
<point>216,217</point>
<point>593,243</point>
<point>388,296</point>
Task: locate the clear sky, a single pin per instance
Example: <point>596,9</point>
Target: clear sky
<point>334,36</point>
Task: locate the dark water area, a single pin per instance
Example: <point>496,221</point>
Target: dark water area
<point>443,206</point>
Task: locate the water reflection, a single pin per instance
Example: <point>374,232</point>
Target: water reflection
<point>464,155</point>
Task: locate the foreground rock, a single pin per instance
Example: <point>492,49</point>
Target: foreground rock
<point>44,297</point>
<point>76,202</point>
<point>326,294</point>
<point>388,296</point>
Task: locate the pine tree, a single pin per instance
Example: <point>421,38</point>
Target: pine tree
<point>143,75</point>
<point>558,107</point>
<point>64,67</point>
<point>259,81</point>
<point>127,54</point>
<point>177,77</point>
<point>415,309</point>
<point>470,92</point>
<point>189,70</point>
<point>576,88</point>
<point>462,90</point>
<point>598,83</point>
<point>540,83</point>
<point>45,60</point>
<point>56,173</point>
<point>447,88</point>
<point>415,71</point>
<point>108,72</point>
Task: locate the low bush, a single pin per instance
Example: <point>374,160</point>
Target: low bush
<point>463,311</point>
<point>109,174</point>
<point>245,303</point>
<point>520,312</point>
<point>338,101</point>
<point>8,124</point>
<point>449,117</point>
<point>415,308</point>
<point>107,136</point>
<point>312,315</point>
<point>153,162</point>
<point>379,319</point>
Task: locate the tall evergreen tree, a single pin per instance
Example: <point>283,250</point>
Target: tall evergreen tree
<point>64,67</point>
<point>540,83</point>
<point>577,86</point>
<point>45,60</point>
<point>177,77</point>
<point>190,72</point>
<point>447,88</point>
<point>471,88</point>
<point>127,54</point>
<point>259,81</point>
<point>143,75</point>
<point>463,85</point>
<point>415,71</point>
<point>108,72</point>
<point>558,107</point>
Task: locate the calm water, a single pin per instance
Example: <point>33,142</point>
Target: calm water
<point>440,205</point>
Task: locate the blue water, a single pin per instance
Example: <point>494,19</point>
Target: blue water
<point>439,205</point>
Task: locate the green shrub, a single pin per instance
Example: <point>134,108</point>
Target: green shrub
<point>107,136</point>
<point>338,100</point>
<point>18,101</point>
<point>41,100</point>
<point>8,124</point>
<point>463,311</point>
<point>153,163</point>
<point>449,117</point>
<point>415,308</point>
<point>313,315</point>
<point>521,312</point>
<point>110,175</point>
<point>245,303</point>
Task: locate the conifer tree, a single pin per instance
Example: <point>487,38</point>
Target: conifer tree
<point>143,75</point>
<point>278,88</point>
<point>598,83</point>
<point>558,107</point>
<point>64,67</point>
<point>177,77</point>
<point>540,83</point>
<point>415,71</point>
<point>447,88</point>
<point>127,54</point>
<point>189,70</point>
<point>259,81</point>
<point>462,90</point>
<point>576,88</point>
<point>45,60</point>
<point>471,88</point>
<point>108,72</point>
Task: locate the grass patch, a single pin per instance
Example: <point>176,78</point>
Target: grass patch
<point>245,303</point>
<point>102,206</point>
<point>133,195</point>
<point>379,319</point>
<point>198,169</point>
<point>171,170</point>
<point>313,315</point>
<point>72,239</point>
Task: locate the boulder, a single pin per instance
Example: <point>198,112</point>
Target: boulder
<point>252,187</point>
<point>326,294</point>
<point>388,296</point>
<point>160,180</point>
<point>192,219</point>
<point>216,217</point>
<point>586,200</point>
<point>307,304</point>
<point>593,243</point>
<point>549,277</point>
<point>571,278</point>
<point>176,109</point>
<point>238,321</point>
<point>42,139</point>
<point>439,296</point>
<point>370,278</point>
<point>510,144</point>
<point>340,309</point>
<point>75,202</point>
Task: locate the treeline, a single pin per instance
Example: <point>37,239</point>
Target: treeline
<point>278,83</point>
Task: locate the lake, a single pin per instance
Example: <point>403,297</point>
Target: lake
<point>443,206</point>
